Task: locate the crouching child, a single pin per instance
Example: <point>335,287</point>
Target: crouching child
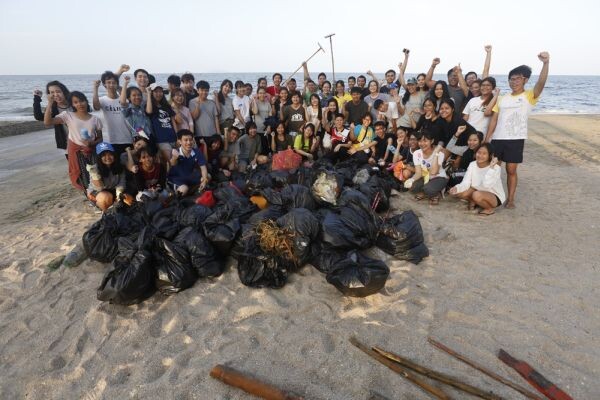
<point>188,171</point>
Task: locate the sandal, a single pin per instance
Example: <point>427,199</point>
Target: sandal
<point>434,201</point>
<point>419,197</point>
<point>483,213</point>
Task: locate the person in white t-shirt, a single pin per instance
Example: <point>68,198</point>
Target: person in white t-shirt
<point>116,131</point>
<point>508,128</point>
<point>482,185</point>
<point>430,177</point>
<point>241,106</point>
<point>478,111</point>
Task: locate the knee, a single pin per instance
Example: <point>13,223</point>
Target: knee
<point>183,189</point>
<point>429,190</point>
<point>477,196</point>
<point>104,200</point>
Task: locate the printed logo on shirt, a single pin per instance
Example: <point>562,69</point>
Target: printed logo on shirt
<point>164,119</point>
<point>112,108</point>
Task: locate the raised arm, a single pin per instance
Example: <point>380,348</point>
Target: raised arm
<point>401,69</point>
<point>121,70</point>
<point>95,98</point>
<point>488,60</point>
<point>539,86</point>
<point>38,114</point>
<point>372,75</point>
<point>149,109</point>
<point>402,66</point>
<point>461,80</point>
<point>195,111</point>
<point>48,119</point>
<point>123,94</point>
<point>489,109</point>
<point>429,78</point>
<point>305,70</point>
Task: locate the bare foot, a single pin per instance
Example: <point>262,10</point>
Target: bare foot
<point>510,205</point>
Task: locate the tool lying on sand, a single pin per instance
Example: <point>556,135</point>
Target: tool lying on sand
<point>250,385</point>
<point>434,391</point>
<point>438,376</point>
<point>486,371</point>
<point>535,379</point>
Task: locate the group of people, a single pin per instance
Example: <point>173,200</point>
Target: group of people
<point>433,136</point>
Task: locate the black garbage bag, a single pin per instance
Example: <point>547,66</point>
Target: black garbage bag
<point>280,179</point>
<point>257,269</point>
<point>242,207</point>
<point>165,222</point>
<point>221,228</point>
<point>347,171</point>
<point>400,233</point>
<point>352,196</point>
<point>132,278</point>
<point>326,257</point>
<point>239,245</point>
<point>305,227</point>
<point>172,264</point>
<point>271,212</point>
<point>203,257</point>
<point>358,275</point>
<point>193,215</point>
<point>354,227</point>
<point>100,241</point>
<point>257,180</point>
<point>414,255</point>
<point>272,196</point>
<point>375,192</point>
<point>297,196</point>
<point>305,176</point>
<point>380,180</point>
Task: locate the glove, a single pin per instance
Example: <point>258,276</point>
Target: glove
<point>408,183</point>
<point>92,169</point>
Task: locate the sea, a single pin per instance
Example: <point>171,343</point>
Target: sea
<point>563,94</point>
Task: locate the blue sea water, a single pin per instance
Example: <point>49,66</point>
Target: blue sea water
<point>564,94</point>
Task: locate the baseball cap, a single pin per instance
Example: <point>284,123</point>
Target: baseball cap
<point>411,81</point>
<point>154,86</point>
<point>393,85</point>
<point>104,146</point>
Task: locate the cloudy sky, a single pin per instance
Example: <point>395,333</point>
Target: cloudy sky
<point>70,37</point>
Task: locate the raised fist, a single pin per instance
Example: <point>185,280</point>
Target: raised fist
<point>436,61</point>
<point>488,48</point>
<point>544,57</point>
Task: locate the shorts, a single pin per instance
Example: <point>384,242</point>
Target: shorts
<point>509,151</point>
<point>498,201</point>
<point>166,146</point>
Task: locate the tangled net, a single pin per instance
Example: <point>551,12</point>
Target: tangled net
<point>275,240</point>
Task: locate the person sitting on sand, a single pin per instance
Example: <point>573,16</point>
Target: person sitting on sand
<point>307,144</point>
<point>107,177</point>
<point>481,185</point>
<point>461,163</point>
<point>508,127</point>
<point>188,167</point>
<point>429,178</point>
<point>250,147</point>
<point>161,116</point>
<point>280,140</point>
<point>402,155</point>
<point>361,138</point>
<point>85,132</point>
<point>150,177</point>
<point>60,94</point>
<point>382,154</point>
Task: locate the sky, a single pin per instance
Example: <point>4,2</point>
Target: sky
<point>80,37</point>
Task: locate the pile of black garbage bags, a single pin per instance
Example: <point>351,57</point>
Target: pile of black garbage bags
<point>325,216</point>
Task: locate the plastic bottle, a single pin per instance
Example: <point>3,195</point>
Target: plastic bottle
<point>85,135</point>
<point>75,257</point>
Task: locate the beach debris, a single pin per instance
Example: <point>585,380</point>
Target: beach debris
<point>524,391</point>
<point>399,369</point>
<point>438,376</point>
<point>55,263</point>
<point>250,385</point>
<point>357,275</point>
<point>402,237</point>
<point>76,256</point>
<point>534,378</point>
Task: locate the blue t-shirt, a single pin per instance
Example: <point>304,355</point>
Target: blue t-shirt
<point>186,169</point>
<point>162,126</point>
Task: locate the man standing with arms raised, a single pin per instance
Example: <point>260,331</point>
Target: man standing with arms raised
<point>508,128</point>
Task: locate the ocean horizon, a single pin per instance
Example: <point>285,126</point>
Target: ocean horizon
<point>563,94</point>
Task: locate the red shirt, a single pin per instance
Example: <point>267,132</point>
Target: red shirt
<point>272,90</point>
<point>151,179</point>
<point>339,136</point>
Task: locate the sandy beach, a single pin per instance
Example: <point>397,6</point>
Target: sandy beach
<point>524,280</point>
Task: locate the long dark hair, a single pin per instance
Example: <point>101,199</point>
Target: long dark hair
<point>320,112</point>
<point>310,140</point>
<point>489,97</point>
<point>330,116</point>
<point>445,94</point>
<point>164,104</point>
<point>116,168</point>
<point>425,87</point>
<point>62,87</point>
<point>220,95</point>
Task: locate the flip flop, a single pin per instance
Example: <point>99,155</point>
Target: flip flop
<point>482,213</point>
<point>419,197</point>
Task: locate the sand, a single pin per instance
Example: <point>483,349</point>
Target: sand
<point>10,128</point>
<point>524,280</point>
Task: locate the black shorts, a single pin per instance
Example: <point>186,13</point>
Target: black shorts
<point>509,151</point>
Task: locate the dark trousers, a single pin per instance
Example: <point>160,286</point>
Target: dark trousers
<point>431,188</point>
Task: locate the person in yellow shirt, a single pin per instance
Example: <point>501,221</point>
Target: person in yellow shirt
<point>341,96</point>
